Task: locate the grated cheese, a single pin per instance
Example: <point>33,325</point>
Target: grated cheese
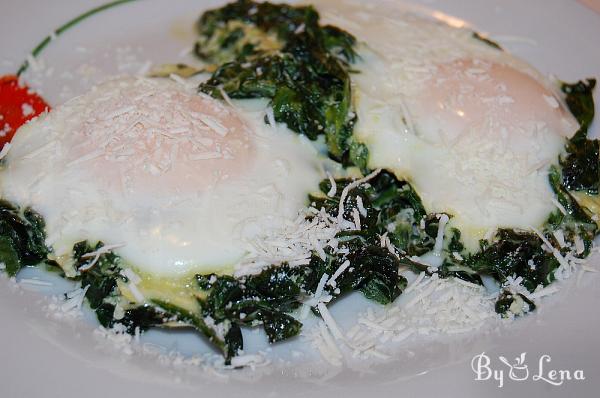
<point>579,245</point>
<point>332,191</point>
<point>564,263</point>
<point>439,239</point>
<point>349,188</point>
<point>360,206</point>
<point>330,322</point>
<point>327,347</point>
<point>312,231</point>
<point>95,255</point>
<point>248,360</point>
<point>34,282</point>
<point>74,300</point>
<point>560,207</point>
<point>270,117</point>
<point>331,282</point>
<point>356,217</point>
<point>560,238</point>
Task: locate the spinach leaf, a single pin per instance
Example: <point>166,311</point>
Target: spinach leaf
<point>9,256</point>
<point>577,223</point>
<point>375,274</point>
<point>392,207</point>
<point>102,294</point>
<point>281,52</point>
<point>451,268</point>
<point>239,29</point>
<point>515,254</point>
<point>255,300</point>
<point>174,314</point>
<point>22,238</point>
<point>141,318</point>
<point>279,326</point>
<point>580,100</point>
<point>267,298</point>
<point>101,278</point>
<point>455,264</point>
<point>581,166</point>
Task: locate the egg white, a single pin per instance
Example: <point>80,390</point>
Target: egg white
<point>117,165</point>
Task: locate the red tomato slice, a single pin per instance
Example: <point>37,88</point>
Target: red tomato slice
<point>18,105</point>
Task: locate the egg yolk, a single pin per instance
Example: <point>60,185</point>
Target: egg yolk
<point>469,95</point>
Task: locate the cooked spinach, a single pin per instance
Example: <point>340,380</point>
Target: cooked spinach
<point>455,264</point>
<point>577,223</point>
<point>580,100</point>
<point>512,254</point>
<point>101,278</point>
<point>178,315</point>
<point>280,52</point>
<point>373,271</point>
<point>453,268</point>
<point>141,318</point>
<point>252,22</point>
<point>22,238</point>
<point>393,208</point>
<point>263,299</point>
<point>268,298</point>
<point>581,166</point>
<point>103,294</point>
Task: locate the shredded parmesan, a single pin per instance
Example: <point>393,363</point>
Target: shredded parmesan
<point>332,191</point>
<point>338,272</point>
<point>327,347</point>
<point>248,360</point>
<point>349,188</point>
<point>360,206</point>
<point>439,240</point>
<point>312,231</point>
<point>271,117</point>
<point>559,206</point>
<point>34,282</point>
<point>564,263</point>
<point>356,217</point>
<point>95,255</point>
<point>330,322</point>
<point>74,300</point>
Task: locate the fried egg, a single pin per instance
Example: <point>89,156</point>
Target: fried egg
<point>471,127</point>
<point>174,180</point>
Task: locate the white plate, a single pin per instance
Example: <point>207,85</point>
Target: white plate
<point>45,357</point>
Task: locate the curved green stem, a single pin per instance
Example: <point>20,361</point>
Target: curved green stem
<point>38,49</point>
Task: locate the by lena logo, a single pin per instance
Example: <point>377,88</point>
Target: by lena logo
<point>518,370</point>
